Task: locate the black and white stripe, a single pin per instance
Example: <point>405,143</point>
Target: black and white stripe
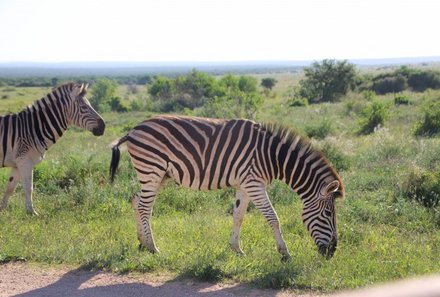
<point>28,134</point>
<point>204,154</point>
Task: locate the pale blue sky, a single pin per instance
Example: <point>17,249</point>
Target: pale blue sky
<point>226,30</point>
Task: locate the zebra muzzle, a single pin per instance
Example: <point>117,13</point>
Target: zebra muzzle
<point>99,129</point>
<point>328,250</point>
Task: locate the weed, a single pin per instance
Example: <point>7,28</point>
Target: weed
<point>373,116</point>
<point>321,130</point>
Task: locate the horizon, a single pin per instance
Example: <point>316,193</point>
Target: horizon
<point>415,60</point>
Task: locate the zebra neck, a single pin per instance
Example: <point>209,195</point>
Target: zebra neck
<point>305,171</point>
<point>48,120</point>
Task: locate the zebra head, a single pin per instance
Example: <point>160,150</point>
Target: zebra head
<point>319,217</point>
<point>82,113</point>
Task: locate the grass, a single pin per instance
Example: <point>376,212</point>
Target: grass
<point>383,235</point>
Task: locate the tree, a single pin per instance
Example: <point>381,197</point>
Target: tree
<point>162,88</point>
<point>102,92</point>
<point>268,83</point>
<point>327,81</point>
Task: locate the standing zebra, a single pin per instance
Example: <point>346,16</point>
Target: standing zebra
<point>205,154</point>
<point>28,134</point>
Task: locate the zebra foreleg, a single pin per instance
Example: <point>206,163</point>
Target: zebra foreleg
<point>13,180</point>
<point>240,206</point>
<point>26,173</point>
<point>142,212</point>
<point>262,202</point>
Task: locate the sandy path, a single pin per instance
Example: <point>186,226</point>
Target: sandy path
<point>25,280</point>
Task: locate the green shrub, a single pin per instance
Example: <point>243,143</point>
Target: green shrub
<point>321,130</point>
<point>299,102</point>
<point>429,125</point>
<point>422,186</point>
<point>373,116</point>
<point>368,95</point>
<point>338,159</point>
<point>389,84</point>
<point>401,99</point>
<point>354,107</point>
<point>420,81</point>
<point>117,105</point>
<point>327,81</point>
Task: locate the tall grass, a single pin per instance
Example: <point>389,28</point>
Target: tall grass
<point>384,234</point>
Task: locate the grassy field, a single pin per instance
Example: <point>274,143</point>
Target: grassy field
<point>384,235</point>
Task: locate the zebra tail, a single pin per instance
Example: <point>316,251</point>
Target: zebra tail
<point>116,156</point>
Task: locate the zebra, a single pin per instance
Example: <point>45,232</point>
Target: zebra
<point>28,134</point>
<point>205,154</point>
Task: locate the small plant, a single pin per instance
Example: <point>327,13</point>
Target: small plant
<point>430,124</point>
<point>369,95</point>
<point>401,99</point>
<point>422,186</point>
<point>336,157</point>
<point>320,131</point>
<point>298,102</point>
<point>373,116</point>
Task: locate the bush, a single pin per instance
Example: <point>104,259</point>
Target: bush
<point>422,186</point>
<point>102,91</point>
<point>327,81</point>
<point>298,102</point>
<point>389,84</point>
<point>430,124</point>
<point>117,105</point>
<point>336,157</point>
<point>320,131</point>
<point>268,83</point>
<point>401,99</point>
<point>373,115</point>
<point>420,81</point>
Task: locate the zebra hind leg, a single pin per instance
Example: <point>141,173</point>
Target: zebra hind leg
<point>142,214</point>
<point>13,180</point>
<point>240,206</point>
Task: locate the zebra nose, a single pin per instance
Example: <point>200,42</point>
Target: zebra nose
<point>328,250</point>
<point>99,129</point>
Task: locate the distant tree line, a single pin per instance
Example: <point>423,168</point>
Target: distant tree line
<point>329,80</point>
<point>46,82</point>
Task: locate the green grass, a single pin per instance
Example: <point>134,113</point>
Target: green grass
<point>85,221</point>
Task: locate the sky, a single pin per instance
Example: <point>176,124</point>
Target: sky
<point>226,30</point>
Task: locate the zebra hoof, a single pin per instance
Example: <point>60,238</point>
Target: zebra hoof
<point>236,248</point>
<point>32,212</point>
<point>285,258</point>
<point>153,250</point>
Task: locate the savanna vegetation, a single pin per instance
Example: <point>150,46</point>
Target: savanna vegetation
<point>379,129</point>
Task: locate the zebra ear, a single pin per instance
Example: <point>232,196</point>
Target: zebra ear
<point>332,187</point>
<point>83,89</point>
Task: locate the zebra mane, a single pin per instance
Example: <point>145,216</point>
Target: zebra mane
<point>48,99</point>
<point>290,136</point>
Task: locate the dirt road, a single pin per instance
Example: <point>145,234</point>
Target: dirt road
<point>24,280</point>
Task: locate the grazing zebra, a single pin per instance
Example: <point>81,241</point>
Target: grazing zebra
<point>204,154</point>
<point>28,134</point>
